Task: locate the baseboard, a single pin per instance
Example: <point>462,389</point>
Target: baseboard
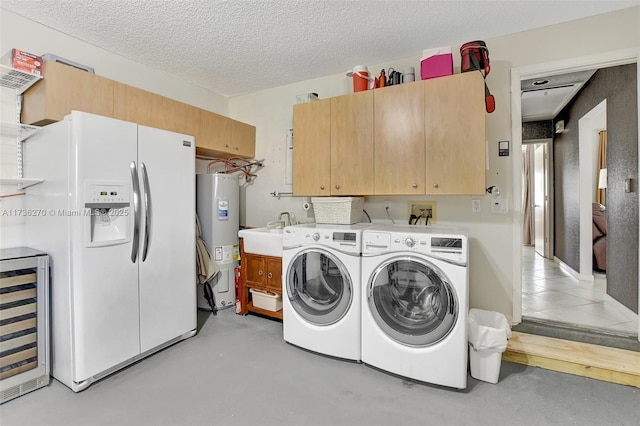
<point>575,274</point>
<point>581,359</point>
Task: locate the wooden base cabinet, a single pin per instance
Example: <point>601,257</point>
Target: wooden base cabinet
<point>261,273</point>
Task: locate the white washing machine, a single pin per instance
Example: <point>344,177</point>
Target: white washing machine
<point>321,288</point>
<point>415,303</point>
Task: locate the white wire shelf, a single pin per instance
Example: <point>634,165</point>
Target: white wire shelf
<point>17,79</point>
<point>21,182</point>
<point>17,130</point>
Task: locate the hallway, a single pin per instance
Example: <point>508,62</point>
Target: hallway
<point>549,293</point>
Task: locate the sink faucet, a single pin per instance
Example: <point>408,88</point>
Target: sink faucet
<point>288,222</point>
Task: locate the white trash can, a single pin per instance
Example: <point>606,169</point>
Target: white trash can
<point>488,335</point>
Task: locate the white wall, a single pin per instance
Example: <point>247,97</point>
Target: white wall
<point>492,236</point>
<point>18,32</point>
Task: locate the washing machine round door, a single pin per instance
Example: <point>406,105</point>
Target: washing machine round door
<point>319,287</point>
<point>412,301</point>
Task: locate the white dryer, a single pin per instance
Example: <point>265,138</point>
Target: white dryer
<point>321,288</point>
<point>415,303</point>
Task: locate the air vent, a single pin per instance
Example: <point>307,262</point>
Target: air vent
<point>30,385</point>
<point>10,393</point>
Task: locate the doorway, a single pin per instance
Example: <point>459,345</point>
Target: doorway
<point>550,272</point>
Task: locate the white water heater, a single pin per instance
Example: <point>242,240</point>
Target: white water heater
<point>218,207</point>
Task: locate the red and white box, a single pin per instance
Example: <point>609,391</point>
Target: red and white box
<point>23,61</point>
<point>436,63</point>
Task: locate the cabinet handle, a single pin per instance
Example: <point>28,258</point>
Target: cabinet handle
<point>435,185</point>
<point>226,145</point>
<point>337,186</point>
<point>415,185</point>
<point>322,187</point>
<point>260,272</point>
<point>269,275</point>
<point>236,148</point>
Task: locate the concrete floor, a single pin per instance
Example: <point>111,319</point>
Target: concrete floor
<point>239,371</point>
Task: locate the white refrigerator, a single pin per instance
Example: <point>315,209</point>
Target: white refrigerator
<point>116,213</point>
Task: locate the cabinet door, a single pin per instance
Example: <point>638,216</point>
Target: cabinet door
<point>455,134</point>
<point>352,144</point>
<point>399,139</point>
<point>243,139</point>
<point>256,270</point>
<point>274,274</point>
<point>191,121</point>
<point>312,148</point>
<point>215,134</point>
<point>63,89</point>
<point>135,105</point>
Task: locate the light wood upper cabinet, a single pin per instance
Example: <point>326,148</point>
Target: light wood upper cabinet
<point>312,148</point>
<point>64,89</point>
<point>215,134</point>
<point>243,137</point>
<point>135,105</point>
<point>399,139</point>
<point>352,144</point>
<point>425,137</point>
<point>149,109</point>
<point>220,136</point>
<point>455,134</point>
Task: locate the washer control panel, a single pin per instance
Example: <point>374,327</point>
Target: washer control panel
<point>447,247</point>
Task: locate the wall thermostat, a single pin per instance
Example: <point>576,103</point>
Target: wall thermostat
<point>503,148</point>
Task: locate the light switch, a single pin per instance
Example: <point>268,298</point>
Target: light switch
<point>476,206</point>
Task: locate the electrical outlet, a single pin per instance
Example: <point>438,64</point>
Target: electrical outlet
<point>422,212</point>
<point>476,206</point>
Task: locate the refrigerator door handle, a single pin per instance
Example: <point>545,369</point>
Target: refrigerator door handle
<point>136,209</point>
<point>147,211</point>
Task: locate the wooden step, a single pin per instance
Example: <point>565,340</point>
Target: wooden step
<point>583,359</point>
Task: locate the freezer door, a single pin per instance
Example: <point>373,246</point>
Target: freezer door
<point>104,280</point>
<point>167,241</point>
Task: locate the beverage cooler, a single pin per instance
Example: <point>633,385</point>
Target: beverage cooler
<point>218,207</point>
<point>24,324</point>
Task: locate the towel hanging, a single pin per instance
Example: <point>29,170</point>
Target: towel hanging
<point>206,267</point>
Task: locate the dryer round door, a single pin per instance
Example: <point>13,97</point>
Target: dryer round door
<point>412,301</point>
<point>319,286</point>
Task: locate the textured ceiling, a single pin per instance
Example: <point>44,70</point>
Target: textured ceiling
<point>237,47</point>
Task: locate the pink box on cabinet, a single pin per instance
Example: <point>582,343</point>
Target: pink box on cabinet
<point>436,63</point>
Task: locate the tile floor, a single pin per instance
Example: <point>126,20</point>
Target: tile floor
<point>549,293</point>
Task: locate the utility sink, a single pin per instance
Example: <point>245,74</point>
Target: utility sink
<point>264,241</point>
